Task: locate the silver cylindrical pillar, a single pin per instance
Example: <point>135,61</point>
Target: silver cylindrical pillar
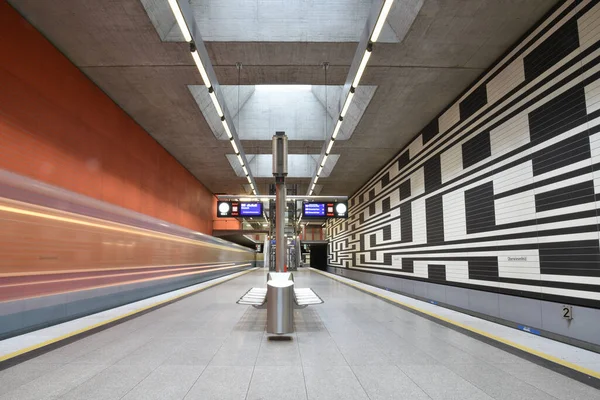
<point>280,307</point>
<point>280,228</point>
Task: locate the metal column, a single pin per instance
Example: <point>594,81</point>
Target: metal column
<point>280,227</point>
<point>280,149</point>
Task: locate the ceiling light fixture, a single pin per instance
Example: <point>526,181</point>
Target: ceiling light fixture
<point>239,157</point>
<point>180,20</point>
<point>387,5</point>
<point>337,129</point>
<point>213,97</point>
<point>362,66</point>
<point>316,179</point>
<point>200,66</point>
<point>347,103</point>
<point>229,135</point>
<point>324,159</point>
<point>249,179</point>
<point>235,148</point>
<point>330,146</point>
<point>245,170</point>
<point>320,170</point>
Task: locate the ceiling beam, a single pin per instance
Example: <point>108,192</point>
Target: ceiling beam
<point>198,44</point>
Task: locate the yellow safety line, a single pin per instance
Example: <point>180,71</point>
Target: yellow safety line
<point>507,342</point>
<point>139,310</point>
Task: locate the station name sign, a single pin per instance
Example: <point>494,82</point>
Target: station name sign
<point>233,209</point>
<point>325,210</point>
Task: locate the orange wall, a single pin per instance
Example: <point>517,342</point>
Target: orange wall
<point>58,127</point>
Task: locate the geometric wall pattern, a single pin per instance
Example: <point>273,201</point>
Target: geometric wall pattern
<point>500,192</point>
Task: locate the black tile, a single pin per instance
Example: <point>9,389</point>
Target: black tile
<point>373,255</point>
<point>385,205</point>
<point>387,259</point>
<point>430,130</point>
<point>387,232</point>
<point>483,268</point>
<point>373,240</point>
<point>385,179</point>
<point>406,233</point>
<point>580,258</point>
<point>408,265</point>
<point>371,209</point>
<point>572,195</point>
<point>562,154</point>
<point>434,218</point>
<point>433,173</point>
<point>479,208</point>
<point>403,160</point>
<point>436,272</point>
<point>556,47</point>
<point>473,102</point>
<point>564,112</point>
<point>405,190</point>
<point>371,194</point>
<point>476,149</point>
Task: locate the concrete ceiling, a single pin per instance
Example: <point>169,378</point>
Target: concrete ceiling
<point>448,45</point>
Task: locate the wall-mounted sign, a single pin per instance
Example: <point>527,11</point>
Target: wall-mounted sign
<point>233,209</point>
<point>325,210</point>
<point>251,209</point>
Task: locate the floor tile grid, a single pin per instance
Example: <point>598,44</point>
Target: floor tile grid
<point>416,344</point>
<point>495,366</point>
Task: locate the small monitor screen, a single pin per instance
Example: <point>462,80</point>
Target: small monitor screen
<point>251,209</point>
<point>314,210</point>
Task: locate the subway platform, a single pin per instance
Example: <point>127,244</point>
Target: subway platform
<point>359,344</point>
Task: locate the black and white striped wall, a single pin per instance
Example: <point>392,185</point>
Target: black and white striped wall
<point>494,206</point>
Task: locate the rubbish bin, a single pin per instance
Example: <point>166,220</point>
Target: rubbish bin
<point>280,306</point>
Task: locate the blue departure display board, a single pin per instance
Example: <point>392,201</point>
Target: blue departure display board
<point>251,209</point>
<point>314,210</point>
<point>325,210</point>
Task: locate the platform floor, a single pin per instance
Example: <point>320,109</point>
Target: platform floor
<point>355,346</point>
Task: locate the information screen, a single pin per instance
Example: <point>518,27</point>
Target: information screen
<point>325,210</point>
<point>251,209</point>
<point>314,210</point>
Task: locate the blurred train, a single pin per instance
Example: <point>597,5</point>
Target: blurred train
<point>63,255</point>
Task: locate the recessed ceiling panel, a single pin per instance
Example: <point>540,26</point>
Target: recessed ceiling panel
<point>297,110</point>
<point>270,20</point>
<point>299,165</point>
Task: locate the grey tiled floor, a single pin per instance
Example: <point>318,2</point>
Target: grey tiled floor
<point>354,346</point>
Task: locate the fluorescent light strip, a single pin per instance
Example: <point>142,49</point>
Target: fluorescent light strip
<point>337,129</point>
<point>385,10</point>
<point>239,157</point>
<point>249,179</point>
<point>213,97</point>
<point>180,20</point>
<point>347,103</point>
<point>201,69</point>
<point>320,170</point>
<point>229,135</point>
<point>330,146</point>
<point>235,148</point>
<point>324,159</point>
<point>316,179</point>
<point>245,170</point>
<point>361,68</point>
